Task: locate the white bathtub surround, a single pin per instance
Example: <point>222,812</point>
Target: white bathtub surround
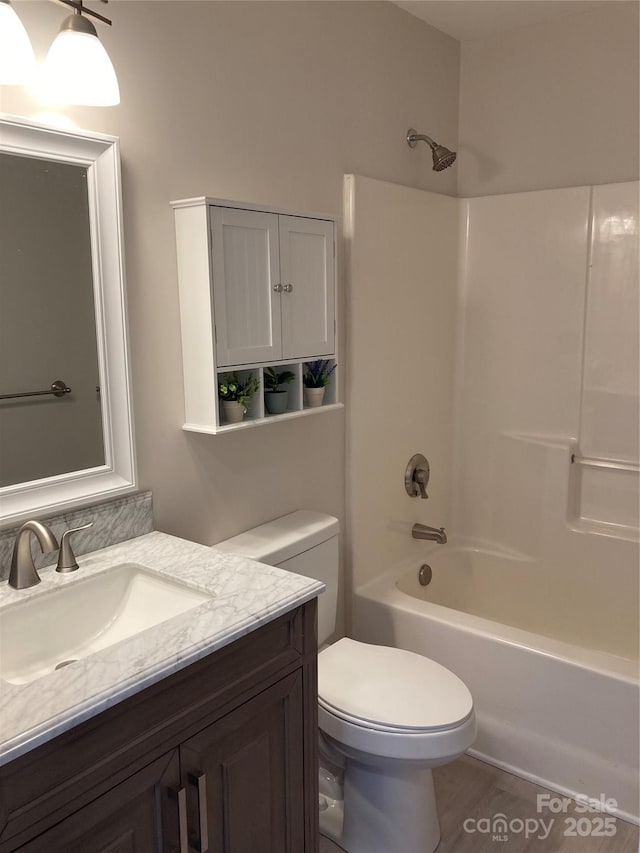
<point>611,375</point>
<point>556,713</point>
<point>243,596</point>
<point>563,576</point>
<point>548,351</point>
<point>541,476</point>
<point>402,246</point>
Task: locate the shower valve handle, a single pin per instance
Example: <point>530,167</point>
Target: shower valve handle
<point>421,478</point>
<point>416,476</point>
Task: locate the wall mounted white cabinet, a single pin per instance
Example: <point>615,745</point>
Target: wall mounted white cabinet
<point>257,288</point>
<point>245,285</point>
<point>273,288</point>
<point>308,296</point>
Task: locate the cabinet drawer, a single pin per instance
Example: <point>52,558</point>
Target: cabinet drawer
<point>45,785</point>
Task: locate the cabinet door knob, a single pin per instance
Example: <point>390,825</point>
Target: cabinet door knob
<point>278,288</point>
<point>288,288</point>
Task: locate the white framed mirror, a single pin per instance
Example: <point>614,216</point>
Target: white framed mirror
<point>62,301</point>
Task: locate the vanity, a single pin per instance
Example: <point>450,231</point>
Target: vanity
<point>198,733</point>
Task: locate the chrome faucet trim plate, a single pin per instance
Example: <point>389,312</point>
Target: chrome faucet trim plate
<point>416,476</point>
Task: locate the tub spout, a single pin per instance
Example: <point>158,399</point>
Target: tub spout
<point>423,531</point>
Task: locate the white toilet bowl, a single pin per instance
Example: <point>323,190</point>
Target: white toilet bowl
<point>391,715</point>
<point>387,716</point>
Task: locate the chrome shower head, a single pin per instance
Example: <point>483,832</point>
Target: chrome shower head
<point>442,157</point>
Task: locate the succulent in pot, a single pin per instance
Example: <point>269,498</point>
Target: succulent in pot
<point>275,397</point>
<point>235,394</point>
<point>316,378</point>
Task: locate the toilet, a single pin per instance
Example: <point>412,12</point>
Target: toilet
<point>386,716</point>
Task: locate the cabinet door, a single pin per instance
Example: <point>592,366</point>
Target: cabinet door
<point>245,774</point>
<point>140,815</point>
<point>307,274</point>
<point>246,280</point>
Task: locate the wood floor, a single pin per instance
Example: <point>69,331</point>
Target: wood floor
<point>468,790</point>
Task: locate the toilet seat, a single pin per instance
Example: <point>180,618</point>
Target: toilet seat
<point>378,702</point>
<point>368,745</point>
<point>390,690</point>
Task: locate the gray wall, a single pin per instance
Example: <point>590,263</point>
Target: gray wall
<point>552,104</point>
<point>265,102</point>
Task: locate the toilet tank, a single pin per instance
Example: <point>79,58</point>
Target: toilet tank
<point>302,542</point>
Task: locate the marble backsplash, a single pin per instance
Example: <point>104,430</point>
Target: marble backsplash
<point>113,522</point>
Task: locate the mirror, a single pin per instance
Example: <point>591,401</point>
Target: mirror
<point>65,439</point>
<point>47,322</point>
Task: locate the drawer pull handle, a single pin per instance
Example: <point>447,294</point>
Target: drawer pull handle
<point>181,797</point>
<point>200,781</point>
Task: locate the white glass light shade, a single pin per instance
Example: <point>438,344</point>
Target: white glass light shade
<point>78,70</point>
<point>17,62</point>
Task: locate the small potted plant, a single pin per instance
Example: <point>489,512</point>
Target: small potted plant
<point>235,394</point>
<point>275,397</point>
<point>316,378</point>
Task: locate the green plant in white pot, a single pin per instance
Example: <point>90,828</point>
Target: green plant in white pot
<point>316,378</point>
<point>236,394</point>
<point>275,397</point>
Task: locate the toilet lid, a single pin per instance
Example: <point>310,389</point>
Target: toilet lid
<point>390,689</point>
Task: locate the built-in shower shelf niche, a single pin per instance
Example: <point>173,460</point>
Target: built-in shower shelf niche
<point>549,497</point>
<point>606,496</point>
<point>257,289</point>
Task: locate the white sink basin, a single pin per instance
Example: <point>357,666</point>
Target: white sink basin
<point>42,633</point>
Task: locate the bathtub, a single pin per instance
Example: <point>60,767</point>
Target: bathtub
<point>549,708</point>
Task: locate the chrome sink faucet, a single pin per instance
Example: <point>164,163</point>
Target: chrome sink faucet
<point>423,531</point>
<point>23,573</point>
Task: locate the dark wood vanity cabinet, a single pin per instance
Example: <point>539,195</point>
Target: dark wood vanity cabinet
<point>221,756</point>
<point>137,814</point>
<point>251,798</point>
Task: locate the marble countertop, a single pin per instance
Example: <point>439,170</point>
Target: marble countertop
<point>244,595</point>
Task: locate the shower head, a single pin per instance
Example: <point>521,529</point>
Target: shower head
<point>442,157</point>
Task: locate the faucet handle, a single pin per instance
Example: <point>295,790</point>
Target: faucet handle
<point>66,558</point>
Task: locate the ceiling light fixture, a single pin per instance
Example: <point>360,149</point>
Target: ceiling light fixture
<point>17,62</point>
<point>77,69</point>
